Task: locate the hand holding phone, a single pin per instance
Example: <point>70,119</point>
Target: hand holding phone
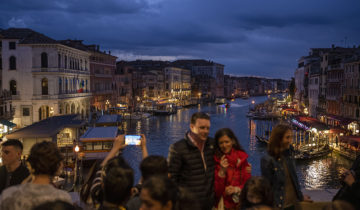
<point>132,139</point>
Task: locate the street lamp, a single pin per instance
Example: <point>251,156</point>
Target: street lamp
<point>76,175</point>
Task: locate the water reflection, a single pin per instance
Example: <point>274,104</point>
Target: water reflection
<point>161,131</point>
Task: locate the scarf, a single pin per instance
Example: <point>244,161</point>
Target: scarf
<point>199,143</point>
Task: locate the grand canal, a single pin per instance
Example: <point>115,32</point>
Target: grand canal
<point>162,131</point>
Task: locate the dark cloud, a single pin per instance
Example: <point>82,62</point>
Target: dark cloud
<point>252,37</point>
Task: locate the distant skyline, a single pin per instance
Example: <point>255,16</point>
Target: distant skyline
<point>250,37</point>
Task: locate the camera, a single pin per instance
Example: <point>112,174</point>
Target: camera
<point>132,139</point>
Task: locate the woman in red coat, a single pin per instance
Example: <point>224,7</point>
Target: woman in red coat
<point>231,169</point>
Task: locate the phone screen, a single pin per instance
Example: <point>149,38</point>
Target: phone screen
<point>132,139</point>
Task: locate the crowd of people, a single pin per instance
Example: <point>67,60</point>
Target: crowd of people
<point>200,172</point>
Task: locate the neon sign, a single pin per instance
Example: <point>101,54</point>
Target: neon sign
<point>299,124</point>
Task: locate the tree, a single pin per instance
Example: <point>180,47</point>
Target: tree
<point>292,88</point>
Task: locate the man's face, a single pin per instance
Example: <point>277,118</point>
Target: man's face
<point>201,128</point>
<point>10,155</point>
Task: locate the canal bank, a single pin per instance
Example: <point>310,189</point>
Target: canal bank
<point>161,131</point>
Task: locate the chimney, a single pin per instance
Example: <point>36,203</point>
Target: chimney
<point>333,46</point>
<point>97,47</point>
<point>109,52</point>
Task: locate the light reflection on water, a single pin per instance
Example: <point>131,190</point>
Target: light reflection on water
<point>162,131</point>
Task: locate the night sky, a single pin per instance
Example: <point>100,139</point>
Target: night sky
<point>250,37</point>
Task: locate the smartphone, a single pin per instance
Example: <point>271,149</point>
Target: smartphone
<point>132,139</point>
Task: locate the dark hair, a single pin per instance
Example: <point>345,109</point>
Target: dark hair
<point>45,158</point>
<point>13,142</point>
<point>118,181</point>
<point>261,187</point>
<point>186,201</point>
<point>226,132</point>
<point>161,189</point>
<point>275,146</point>
<point>55,205</point>
<point>153,165</point>
<point>199,115</point>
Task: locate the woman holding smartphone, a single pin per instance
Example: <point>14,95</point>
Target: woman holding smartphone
<point>118,146</point>
<point>278,166</point>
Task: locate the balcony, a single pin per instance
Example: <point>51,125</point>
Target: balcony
<point>59,70</point>
<point>337,66</point>
<point>61,96</point>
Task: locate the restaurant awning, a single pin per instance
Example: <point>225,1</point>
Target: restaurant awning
<point>48,127</point>
<point>100,133</point>
<point>308,123</point>
<point>7,123</point>
<point>341,120</point>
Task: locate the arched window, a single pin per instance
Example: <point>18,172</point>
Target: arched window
<point>44,60</point>
<point>72,109</point>
<point>43,112</point>
<point>66,86</point>
<point>74,85</point>
<point>59,61</point>
<point>65,62</point>
<point>67,109</point>
<point>60,85</point>
<point>12,63</point>
<point>44,86</point>
<point>13,87</point>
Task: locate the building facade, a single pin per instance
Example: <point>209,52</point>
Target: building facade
<point>45,78</point>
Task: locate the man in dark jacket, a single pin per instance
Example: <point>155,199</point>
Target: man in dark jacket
<point>12,172</point>
<point>191,163</point>
<point>350,191</point>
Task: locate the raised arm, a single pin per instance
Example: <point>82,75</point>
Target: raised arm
<point>119,144</point>
<point>143,146</point>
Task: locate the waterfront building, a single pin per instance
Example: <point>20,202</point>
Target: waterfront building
<point>45,78</point>
<point>207,77</point>
<point>6,111</point>
<point>314,78</point>
<point>334,65</point>
<point>102,71</point>
<point>351,96</point>
<point>177,84</point>
<point>124,86</point>
<point>305,63</point>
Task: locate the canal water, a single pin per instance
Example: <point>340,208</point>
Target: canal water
<point>162,131</point>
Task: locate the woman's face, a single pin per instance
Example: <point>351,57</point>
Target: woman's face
<point>253,198</point>
<point>225,144</point>
<point>147,203</point>
<point>287,139</point>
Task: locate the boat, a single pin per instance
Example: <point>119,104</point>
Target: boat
<point>165,109</point>
<point>136,116</point>
<point>220,101</point>
<point>262,140</point>
<point>311,153</point>
<point>245,97</point>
